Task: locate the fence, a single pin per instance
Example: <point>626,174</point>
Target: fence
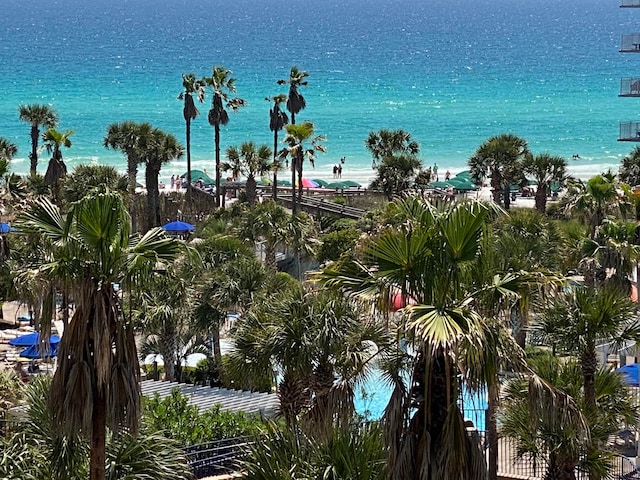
<point>218,457</point>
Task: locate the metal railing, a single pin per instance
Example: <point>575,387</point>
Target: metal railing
<point>217,457</point>
<point>630,4</point>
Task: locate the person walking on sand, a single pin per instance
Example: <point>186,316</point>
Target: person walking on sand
<point>447,176</point>
<point>335,171</point>
<point>435,171</point>
<point>340,171</point>
<point>173,181</point>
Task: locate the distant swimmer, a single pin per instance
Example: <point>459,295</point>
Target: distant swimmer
<point>576,156</point>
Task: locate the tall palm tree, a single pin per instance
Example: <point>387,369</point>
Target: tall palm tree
<point>296,151</point>
<point>394,174</point>
<point>131,139</point>
<point>500,157</point>
<point>545,170</point>
<point>37,115</point>
<point>190,112</point>
<point>295,101</point>
<point>277,120</point>
<point>427,254</point>
<point>222,85</point>
<point>388,143</point>
<point>96,382</point>
<point>53,142</point>
<point>249,161</point>
<point>162,148</point>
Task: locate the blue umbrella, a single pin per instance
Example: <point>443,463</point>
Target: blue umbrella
<point>31,339</point>
<point>630,374</point>
<point>33,352</point>
<point>5,228</point>
<point>178,227</point>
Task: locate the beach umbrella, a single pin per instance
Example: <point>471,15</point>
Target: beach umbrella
<point>630,374</point>
<point>264,181</point>
<point>31,339</point>
<point>442,185</point>
<point>197,175</point>
<point>459,183</point>
<point>320,182</point>
<point>178,227</point>
<point>350,183</point>
<point>284,183</point>
<point>34,352</point>
<point>308,183</point>
<point>337,185</point>
<point>5,228</point>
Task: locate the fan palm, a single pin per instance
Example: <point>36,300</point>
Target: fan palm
<point>7,151</point>
<point>295,101</point>
<point>426,254</point>
<point>53,142</point>
<point>96,382</point>
<point>630,168</point>
<point>387,143</point>
<point>37,115</point>
<point>84,179</point>
<point>162,148</point>
<point>297,135</point>
<point>222,85</point>
<point>545,169</point>
<point>131,139</point>
<point>500,157</point>
<point>277,120</point>
<point>249,161</point>
<point>190,112</point>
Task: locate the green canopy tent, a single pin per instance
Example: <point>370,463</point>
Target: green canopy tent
<point>462,184</point>
<point>197,175</point>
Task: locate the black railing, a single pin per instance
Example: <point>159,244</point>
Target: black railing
<point>218,457</point>
<point>630,87</point>
<point>629,132</point>
<point>630,43</point>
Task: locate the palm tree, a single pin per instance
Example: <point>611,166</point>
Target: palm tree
<point>394,174</point>
<point>426,254</point>
<point>500,158</point>
<point>162,148</point>
<point>296,136</point>
<point>37,115</point>
<point>222,85</point>
<point>190,112</point>
<point>596,199</point>
<point>84,179</point>
<point>581,319</point>
<point>545,170</point>
<point>547,434</point>
<point>388,143</point>
<point>96,382</point>
<point>7,151</point>
<point>54,141</point>
<point>295,101</point>
<point>630,169</point>
<point>277,120</point>
<point>131,139</point>
<point>249,161</point>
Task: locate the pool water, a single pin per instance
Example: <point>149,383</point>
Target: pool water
<point>372,398</point>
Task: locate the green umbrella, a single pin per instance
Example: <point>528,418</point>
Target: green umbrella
<point>284,183</point>
<point>197,175</point>
<point>350,183</point>
<point>264,181</point>
<point>320,182</point>
<point>446,184</point>
<point>462,184</point>
<point>337,185</point>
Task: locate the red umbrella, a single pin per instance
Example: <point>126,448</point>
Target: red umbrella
<point>308,183</point>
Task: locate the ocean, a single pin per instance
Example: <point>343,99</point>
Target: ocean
<point>450,72</point>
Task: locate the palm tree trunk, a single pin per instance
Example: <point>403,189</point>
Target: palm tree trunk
<point>188,142</point>
<point>35,135</point>
<point>217,352</point>
<point>506,196</point>
<point>541,198</point>
<point>275,159</point>
<point>217,142</point>
<point>132,172</point>
<point>589,364</point>
<point>153,195</point>
<point>294,160</point>
<point>98,435</point>
<point>492,430</point>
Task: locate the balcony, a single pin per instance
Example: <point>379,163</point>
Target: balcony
<point>630,87</point>
<point>630,43</point>
<point>629,132</point>
<point>630,4</point>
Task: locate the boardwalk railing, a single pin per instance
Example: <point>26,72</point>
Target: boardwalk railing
<point>218,457</point>
<point>319,205</point>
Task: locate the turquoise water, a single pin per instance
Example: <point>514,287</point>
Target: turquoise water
<point>372,398</point>
<point>451,72</point>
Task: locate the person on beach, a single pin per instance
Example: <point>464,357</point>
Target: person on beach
<point>335,171</point>
<point>447,176</point>
<point>173,181</point>
<point>340,171</point>
<point>435,171</point>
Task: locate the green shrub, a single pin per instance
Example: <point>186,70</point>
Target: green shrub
<point>177,420</point>
<point>334,244</point>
